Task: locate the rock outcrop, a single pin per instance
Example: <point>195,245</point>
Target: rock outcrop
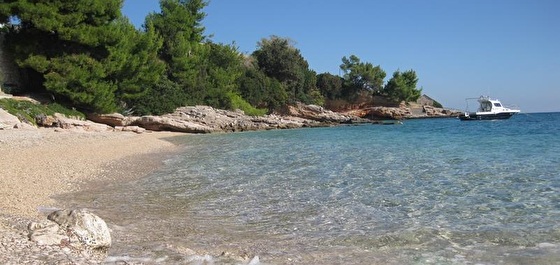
<point>205,119</point>
<point>60,121</point>
<point>158,123</point>
<point>317,113</point>
<point>7,120</point>
<point>405,112</point>
<point>112,119</point>
<point>389,113</point>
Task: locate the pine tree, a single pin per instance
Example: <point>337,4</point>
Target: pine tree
<point>83,52</point>
<point>184,52</point>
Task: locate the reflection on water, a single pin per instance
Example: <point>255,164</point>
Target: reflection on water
<point>426,192</point>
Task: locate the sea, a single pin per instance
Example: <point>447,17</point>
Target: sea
<point>428,191</point>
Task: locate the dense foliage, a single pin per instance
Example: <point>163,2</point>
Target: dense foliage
<point>88,56</point>
<point>361,76</point>
<point>279,59</point>
<point>402,86</point>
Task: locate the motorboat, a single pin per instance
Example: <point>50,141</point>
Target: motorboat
<point>489,109</point>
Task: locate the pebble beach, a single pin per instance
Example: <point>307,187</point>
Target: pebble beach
<point>37,165</point>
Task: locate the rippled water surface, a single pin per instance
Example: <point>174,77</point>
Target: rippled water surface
<point>437,191</point>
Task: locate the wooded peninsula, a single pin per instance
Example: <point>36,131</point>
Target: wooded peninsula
<point>86,55</point>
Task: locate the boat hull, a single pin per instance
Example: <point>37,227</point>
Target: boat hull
<point>486,116</point>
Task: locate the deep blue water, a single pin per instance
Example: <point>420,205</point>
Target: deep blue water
<point>434,191</point>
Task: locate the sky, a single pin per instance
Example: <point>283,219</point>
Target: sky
<point>505,49</point>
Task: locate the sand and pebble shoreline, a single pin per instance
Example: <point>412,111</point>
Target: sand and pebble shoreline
<point>37,165</point>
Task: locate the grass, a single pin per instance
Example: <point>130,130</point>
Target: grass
<point>26,111</point>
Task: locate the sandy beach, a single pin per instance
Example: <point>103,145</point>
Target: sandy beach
<point>36,165</point>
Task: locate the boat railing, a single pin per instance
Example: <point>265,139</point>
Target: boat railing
<point>467,110</point>
<point>510,106</point>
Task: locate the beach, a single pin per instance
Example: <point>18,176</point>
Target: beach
<point>36,165</point>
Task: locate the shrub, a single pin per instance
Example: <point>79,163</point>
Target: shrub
<point>237,102</point>
<point>26,111</point>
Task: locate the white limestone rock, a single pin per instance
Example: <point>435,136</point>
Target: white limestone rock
<point>7,120</point>
<point>46,233</point>
<point>89,229</point>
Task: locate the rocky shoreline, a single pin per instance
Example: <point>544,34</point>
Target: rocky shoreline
<point>205,119</point>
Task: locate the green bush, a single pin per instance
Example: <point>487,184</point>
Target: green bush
<point>26,111</point>
<point>164,97</point>
<point>237,102</point>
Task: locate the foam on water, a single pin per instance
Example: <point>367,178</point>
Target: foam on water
<point>426,192</point>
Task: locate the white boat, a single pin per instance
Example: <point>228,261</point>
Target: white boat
<point>489,109</point>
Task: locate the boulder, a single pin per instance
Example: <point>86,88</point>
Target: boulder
<point>46,120</point>
<point>24,126</point>
<point>113,119</point>
<point>135,129</point>
<point>47,233</point>
<point>77,228</point>
<point>316,113</point>
<point>388,113</point>
<point>157,123</point>
<point>89,126</point>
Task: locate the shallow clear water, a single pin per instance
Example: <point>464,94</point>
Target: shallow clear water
<point>437,191</point>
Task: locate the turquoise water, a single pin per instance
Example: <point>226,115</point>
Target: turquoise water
<point>437,191</point>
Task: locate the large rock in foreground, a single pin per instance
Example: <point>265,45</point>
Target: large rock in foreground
<point>77,228</point>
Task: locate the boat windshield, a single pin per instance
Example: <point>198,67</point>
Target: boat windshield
<point>496,104</point>
<point>485,106</point>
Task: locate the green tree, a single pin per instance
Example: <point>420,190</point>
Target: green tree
<point>310,93</point>
<point>260,90</point>
<point>329,85</point>
<point>63,45</point>
<point>279,59</point>
<point>402,87</point>
<point>360,76</point>
<point>184,52</point>
<point>133,61</point>
<point>224,68</point>
<point>162,97</point>
<point>82,52</point>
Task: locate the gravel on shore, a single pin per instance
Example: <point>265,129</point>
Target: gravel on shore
<point>36,165</point>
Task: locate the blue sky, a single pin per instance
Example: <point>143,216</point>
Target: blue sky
<point>506,49</point>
